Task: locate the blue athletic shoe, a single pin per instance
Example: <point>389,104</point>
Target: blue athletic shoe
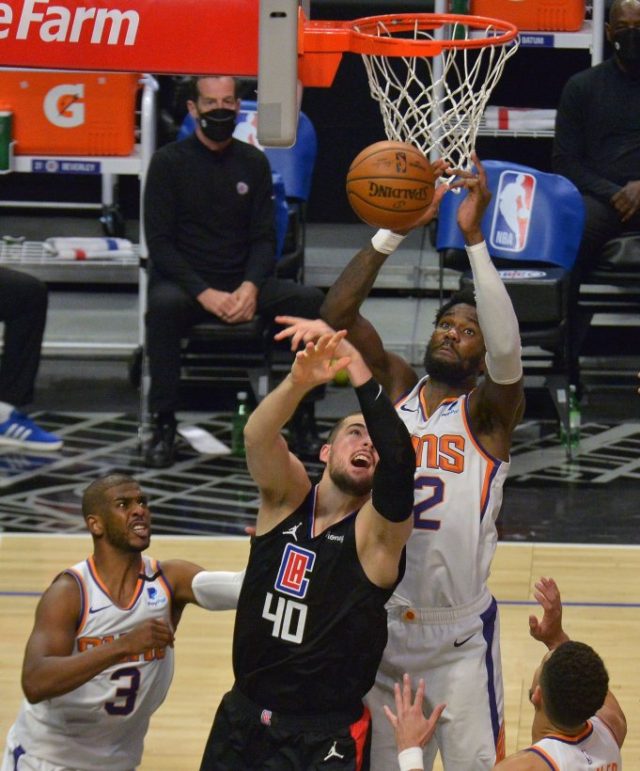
<point>21,431</point>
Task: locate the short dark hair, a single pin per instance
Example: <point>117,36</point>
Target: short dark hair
<point>463,297</point>
<point>574,684</point>
<point>93,497</point>
<point>338,425</point>
<point>192,92</point>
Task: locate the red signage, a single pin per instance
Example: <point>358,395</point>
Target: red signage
<point>156,36</point>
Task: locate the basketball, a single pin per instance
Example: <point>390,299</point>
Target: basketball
<point>390,184</point>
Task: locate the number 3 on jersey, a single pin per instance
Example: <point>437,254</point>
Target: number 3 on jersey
<point>429,492</point>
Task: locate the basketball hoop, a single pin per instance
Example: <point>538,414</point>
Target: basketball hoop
<point>431,74</point>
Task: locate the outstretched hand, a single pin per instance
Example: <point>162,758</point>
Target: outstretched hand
<point>440,170</point>
<point>475,202</point>
<point>411,727</point>
<point>301,330</point>
<point>548,630</point>
<point>318,362</point>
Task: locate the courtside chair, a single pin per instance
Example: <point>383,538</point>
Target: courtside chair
<point>533,227</point>
<point>611,290</point>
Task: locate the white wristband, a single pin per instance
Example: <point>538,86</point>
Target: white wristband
<point>386,241</point>
<point>479,248</point>
<point>410,759</point>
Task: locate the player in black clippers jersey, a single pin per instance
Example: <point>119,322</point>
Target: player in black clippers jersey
<point>311,624</point>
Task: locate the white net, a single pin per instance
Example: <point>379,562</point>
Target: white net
<point>435,102</point>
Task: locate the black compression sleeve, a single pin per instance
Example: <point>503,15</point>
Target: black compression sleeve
<point>392,494</point>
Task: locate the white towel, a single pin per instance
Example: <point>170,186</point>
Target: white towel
<point>519,118</point>
<point>89,248</point>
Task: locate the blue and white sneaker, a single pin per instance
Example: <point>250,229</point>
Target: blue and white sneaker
<point>21,431</point>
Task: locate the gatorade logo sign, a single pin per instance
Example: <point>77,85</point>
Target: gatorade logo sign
<point>160,36</point>
<point>64,107</point>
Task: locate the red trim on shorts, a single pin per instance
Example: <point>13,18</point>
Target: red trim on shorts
<point>501,745</point>
<point>359,732</point>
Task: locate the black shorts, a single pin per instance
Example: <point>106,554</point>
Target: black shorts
<point>246,737</point>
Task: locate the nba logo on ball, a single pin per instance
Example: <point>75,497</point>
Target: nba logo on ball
<point>512,212</point>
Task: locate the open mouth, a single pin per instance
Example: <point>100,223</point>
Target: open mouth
<point>141,529</point>
<point>361,460</point>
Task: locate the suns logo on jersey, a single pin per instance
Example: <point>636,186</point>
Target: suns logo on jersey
<point>444,452</point>
<point>84,643</point>
<point>292,576</point>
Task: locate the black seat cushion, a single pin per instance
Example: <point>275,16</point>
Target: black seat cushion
<point>621,254</point>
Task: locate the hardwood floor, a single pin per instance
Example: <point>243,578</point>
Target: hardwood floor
<point>601,595</point>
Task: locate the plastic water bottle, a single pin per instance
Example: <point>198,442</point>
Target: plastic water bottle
<point>238,423</point>
<point>462,7</point>
<point>573,438</point>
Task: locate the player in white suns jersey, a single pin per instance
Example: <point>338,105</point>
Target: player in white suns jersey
<point>578,724</point>
<point>443,622</point>
<point>99,660</point>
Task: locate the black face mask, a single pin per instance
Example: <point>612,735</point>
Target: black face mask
<point>626,44</point>
<point>217,125</point>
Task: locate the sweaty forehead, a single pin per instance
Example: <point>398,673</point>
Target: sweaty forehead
<point>353,420</point>
<point>462,312</point>
<point>124,490</point>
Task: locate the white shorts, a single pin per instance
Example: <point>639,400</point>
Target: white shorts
<point>457,652</point>
<point>15,758</point>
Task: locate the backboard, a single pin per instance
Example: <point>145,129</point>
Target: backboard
<point>278,94</point>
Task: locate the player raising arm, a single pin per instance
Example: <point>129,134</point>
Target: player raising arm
<point>443,621</point>
<point>578,724</point>
<point>311,622</point>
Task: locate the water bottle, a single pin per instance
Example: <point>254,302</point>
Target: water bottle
<point>238,423</point>
<point>573,438</point>
<point>460,6</point>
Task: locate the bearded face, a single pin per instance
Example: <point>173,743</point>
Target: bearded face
<point>455,352</point>
<point>443,363</point>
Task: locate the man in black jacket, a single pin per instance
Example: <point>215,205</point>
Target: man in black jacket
<point>209,224</point>
<point>597,137</point>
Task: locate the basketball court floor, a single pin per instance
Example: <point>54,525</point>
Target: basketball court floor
<point>576,520</point>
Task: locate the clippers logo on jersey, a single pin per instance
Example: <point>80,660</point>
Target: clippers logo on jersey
<point>265,716</point>
<point>512,212</point>
<point>296,563</point>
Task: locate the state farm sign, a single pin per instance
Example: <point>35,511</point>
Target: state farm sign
<point>158,36</point>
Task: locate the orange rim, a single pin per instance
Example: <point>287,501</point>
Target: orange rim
<point>360,36</point>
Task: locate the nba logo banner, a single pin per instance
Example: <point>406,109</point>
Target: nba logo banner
<point>512,211</point>
<point>295,564</point>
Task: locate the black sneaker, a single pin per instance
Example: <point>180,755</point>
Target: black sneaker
<point>160,452</point>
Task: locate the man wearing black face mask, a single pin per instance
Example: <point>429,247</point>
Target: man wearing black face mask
<point>209,224</point>
<point>597,137</point>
